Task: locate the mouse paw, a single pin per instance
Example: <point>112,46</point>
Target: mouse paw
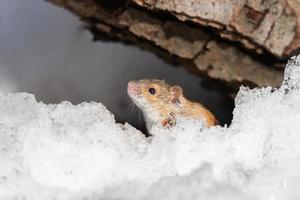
<point>168,123</point>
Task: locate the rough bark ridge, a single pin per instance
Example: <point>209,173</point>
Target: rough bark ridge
<point>273,25</point>
<point>192,44</point>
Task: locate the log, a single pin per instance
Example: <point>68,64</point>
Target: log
<point>192,33</point>
<point>269,25</point>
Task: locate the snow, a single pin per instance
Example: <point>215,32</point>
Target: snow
<point>65,151</point>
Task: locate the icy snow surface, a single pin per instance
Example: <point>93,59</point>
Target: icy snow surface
<point>65,151</point>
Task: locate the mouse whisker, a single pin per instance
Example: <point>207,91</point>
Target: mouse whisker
<point>131,105</point>
<point>139,115</point>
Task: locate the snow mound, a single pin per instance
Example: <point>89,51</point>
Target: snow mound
<point>65,151</point>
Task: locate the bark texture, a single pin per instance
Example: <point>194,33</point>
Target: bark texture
<point>273,25</point>
<point>176,30</point>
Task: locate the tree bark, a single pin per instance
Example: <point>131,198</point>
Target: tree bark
<point>271,25</point>
<point>190,32</point>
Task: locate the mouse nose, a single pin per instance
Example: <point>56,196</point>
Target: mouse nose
<point>132,87</point>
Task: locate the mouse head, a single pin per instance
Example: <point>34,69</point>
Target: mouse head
<point>154,96</point>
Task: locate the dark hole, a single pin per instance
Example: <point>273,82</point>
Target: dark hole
<point>112,4</point>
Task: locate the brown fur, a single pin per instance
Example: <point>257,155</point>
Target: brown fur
<point>167,103</point>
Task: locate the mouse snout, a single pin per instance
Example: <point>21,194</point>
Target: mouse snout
<point>133,88</point>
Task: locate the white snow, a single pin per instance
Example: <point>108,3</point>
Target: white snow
<point>65,151</point>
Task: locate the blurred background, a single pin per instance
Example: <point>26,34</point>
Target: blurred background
<point>45,50</point>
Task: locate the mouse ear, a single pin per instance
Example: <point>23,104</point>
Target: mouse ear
<point>175,92</point>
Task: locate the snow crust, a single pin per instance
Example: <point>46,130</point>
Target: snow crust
<point>65,151</point>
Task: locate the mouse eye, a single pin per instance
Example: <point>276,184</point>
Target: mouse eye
<point>152,91</point>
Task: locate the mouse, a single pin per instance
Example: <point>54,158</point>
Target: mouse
<point>162,103</point>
